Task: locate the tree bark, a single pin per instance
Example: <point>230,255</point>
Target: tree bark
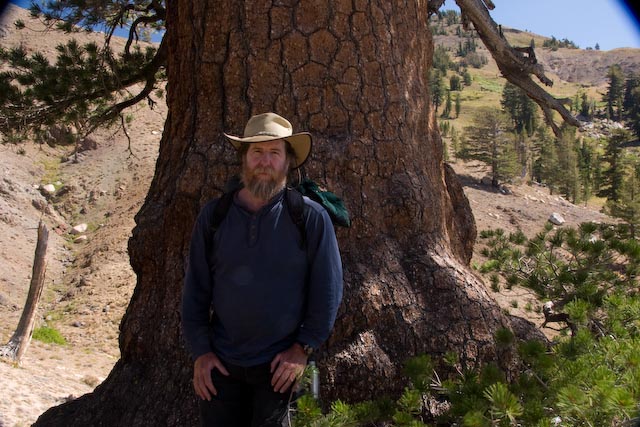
<point>354,74</point>
<point>21,338</point>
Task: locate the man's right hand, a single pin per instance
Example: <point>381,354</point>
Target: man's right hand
<point>202,368</point>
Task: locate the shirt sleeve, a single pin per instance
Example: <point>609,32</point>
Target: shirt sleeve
<point>198,287</point>
<point>325,279</point>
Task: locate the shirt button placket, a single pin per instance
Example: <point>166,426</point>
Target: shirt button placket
<point>253,231</point>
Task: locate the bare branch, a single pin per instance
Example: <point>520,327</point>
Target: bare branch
<point>512,62</point>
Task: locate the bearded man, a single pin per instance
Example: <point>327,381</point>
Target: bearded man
<point>256,303</point>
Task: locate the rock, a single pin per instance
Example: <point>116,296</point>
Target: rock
<point>506,190</point>
<point>79,229</point>
<point>556,219</point>
<point>81,239</point>
<point>48,189</point>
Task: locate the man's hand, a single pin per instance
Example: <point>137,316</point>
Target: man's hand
<point>202,368</point>
<point>287,367</point>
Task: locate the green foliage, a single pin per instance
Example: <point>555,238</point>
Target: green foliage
<point>554,44</point>
<point>631,103</point>
<point>49,335</point>
<point>615,92</point>
<point>522,109</point>
<point>436,88</point>
<point>474,59</point>
<point>591,378</point>
<point>87,85</point>
<point>577,268</point>
<point>489,141</point>
<point>625,181</point>
<point>441,60</point>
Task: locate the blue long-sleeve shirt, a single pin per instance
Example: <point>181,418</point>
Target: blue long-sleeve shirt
<point>266,290</point>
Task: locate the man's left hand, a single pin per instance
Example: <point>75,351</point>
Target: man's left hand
<point>287,367</point>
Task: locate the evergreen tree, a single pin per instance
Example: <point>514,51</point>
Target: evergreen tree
<point>489,141</point>
<point>546,167</point>
<point>613,175</point>
<point>586,169</point>
<point>466,76</point>
<point>627,206</point>
<point>436,88</point>
<point>441,60</point>
<point>597,46</point>
<point>631,103</point>
<point>457,105</point>
<point>446,111</point>
<point>615,92</point>
<point>569,183</point>
<point>521,109</point>
<point>585,108</point>
<point>454,83</point>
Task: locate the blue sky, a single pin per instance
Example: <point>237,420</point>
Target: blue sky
<point>585,22</point>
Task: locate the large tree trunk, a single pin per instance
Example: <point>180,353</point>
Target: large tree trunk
<point>353,74</point>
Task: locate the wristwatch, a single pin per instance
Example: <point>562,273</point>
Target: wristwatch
<point>306,348</point>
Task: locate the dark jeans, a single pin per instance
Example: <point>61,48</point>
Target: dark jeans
<point>245,399</point>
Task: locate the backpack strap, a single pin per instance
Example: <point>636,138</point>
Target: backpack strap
<point>295,204</point>
<point>221,209</point>
<point>293,199</point>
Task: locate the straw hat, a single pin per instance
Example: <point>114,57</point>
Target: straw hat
<point>269,127</point>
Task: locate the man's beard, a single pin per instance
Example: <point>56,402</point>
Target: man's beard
<point>261,187</point>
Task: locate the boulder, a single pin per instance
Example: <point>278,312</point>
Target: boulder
<point>79,229</point>
<point>556,219</point>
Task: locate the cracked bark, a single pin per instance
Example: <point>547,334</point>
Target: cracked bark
<point>353,74</point>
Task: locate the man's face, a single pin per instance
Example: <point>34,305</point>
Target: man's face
<point>264,168</point>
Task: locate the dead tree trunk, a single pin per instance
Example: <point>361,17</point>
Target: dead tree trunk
<point>19,342</point>
<point>355,75</point>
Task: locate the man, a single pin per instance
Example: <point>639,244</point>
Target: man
<point>257,302</point>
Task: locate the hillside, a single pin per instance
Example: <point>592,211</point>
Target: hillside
<point>572,70</point>
<point>89,282</point>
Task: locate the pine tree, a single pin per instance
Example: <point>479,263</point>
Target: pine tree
<point>613,175</point>
<point>454,83</point>
<point>489,141</point>
<point>586,169</point>
<point>457,105</point>
<point>88,85</point>
<point>466,76</point>
<point>585,108</point>
<point>521,109</point>
<point>627,206</point>
<point>615,92</point>
<point>446,111</point>
<point>569,184</point>
<point>631,103</point>
<point>436,88</point>
<point>546,169</point>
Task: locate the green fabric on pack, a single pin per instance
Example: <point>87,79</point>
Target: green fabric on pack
<point>332,203</point>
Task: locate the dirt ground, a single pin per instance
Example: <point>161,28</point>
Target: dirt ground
<point>89,283</point>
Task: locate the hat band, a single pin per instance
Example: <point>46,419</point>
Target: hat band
<point>265,133</point>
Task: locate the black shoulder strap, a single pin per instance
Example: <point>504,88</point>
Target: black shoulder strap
<point>295,204</point>
<point>221,209</point>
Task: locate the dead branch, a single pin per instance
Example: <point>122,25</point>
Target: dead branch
<point>19,342</point>
<point>514,65</point>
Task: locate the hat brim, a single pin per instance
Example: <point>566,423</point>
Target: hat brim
<point>300,143</point>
